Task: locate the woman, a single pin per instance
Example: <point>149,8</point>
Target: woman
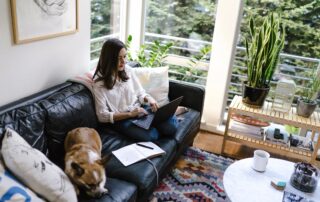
<point>119,97</point>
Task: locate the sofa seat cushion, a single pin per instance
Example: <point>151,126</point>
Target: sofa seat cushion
<point>187,122</point>
<point>141,173</point>
<point>118,191</point>
<point>29,121</point>
<point>67,109</point>
<point>112,140</point>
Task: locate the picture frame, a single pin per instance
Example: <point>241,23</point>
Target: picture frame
<point>34,20</point>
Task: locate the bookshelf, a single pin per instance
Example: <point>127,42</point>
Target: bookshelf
<point>267,114</point>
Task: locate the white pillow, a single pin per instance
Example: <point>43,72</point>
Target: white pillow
<point>35,170</point>
<point>155,81</point>
<point>12,190</point>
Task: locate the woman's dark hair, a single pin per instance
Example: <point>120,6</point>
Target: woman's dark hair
<point>107,67</point>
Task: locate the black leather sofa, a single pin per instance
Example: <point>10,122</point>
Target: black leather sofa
<point>43,119</point>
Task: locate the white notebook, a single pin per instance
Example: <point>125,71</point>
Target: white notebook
<point>133,153</point>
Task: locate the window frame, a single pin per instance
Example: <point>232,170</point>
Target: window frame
<point>227,25</point>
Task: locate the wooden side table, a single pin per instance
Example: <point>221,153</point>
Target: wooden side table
<point>266,113</point>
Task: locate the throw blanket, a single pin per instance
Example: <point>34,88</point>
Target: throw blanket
<point>85,79</point>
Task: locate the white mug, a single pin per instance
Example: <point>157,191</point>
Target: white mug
<point>260,160</point>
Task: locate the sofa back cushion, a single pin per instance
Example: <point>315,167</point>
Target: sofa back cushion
<point>29,122</point>
<point>67,109</point>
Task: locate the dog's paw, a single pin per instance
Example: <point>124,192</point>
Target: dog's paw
<point>105,191</point>
<point>102,193</point>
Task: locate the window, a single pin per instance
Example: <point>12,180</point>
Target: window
<point>301,53</point>
<point>105,23</point>
<point>189,25</point>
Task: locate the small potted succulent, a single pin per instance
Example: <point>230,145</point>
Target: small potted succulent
<point>307,103</point>
<point>263,47</point>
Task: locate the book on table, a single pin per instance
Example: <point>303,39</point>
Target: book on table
<point>137,151</point>
<point>294,197</point>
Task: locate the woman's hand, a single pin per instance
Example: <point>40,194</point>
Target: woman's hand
<point>154,105</point>
<point>138,112</point>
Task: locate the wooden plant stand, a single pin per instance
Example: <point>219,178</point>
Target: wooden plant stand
<point>267,114</point>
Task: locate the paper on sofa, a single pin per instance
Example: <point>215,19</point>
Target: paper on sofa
<point>133,153</point>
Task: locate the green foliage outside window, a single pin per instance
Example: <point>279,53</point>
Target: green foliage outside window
<point>181,18</point>
<point>195,19</point>
<point>100,24</point>
<point>153,58</point>
<point>192,19</point>
<point>302,22</point>
<point>156,54</point>
<point>192,69</point>
<point>100,18</point>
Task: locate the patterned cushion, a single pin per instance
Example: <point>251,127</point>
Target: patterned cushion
<point>34,169</point>
<point>12,190</point>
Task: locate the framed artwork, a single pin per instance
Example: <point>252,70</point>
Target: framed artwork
<point>34,20</point>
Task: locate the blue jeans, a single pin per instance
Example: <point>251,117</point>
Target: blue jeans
<point>127,128</point>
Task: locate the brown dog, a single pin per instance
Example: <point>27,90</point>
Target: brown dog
<point>83,162</point>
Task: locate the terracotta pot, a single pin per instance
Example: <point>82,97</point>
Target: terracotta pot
<point>254,97</point>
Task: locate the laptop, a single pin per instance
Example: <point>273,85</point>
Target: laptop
<point>161,115</point>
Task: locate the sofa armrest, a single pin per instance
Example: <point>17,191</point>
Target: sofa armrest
<point>193,94</point>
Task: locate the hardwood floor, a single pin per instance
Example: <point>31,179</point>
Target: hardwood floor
<point>209,142</point>
<point>213,143</point>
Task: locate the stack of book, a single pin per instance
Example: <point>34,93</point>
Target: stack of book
<point>246,129</point>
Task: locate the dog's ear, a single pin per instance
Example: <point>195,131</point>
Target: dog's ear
<point>103,161</point>
<point>79,170</point>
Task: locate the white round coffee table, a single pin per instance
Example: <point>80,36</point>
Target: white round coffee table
<point>243,184</point>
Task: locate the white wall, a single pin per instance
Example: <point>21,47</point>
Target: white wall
<point>31,67</point>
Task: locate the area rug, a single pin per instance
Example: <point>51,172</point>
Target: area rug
<point>197,176</point>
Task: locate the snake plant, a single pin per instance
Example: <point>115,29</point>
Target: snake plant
<point>310,92</point>
<point>263,50</point>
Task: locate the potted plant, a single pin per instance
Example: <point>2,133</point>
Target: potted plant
<point>153,58</point>
<point>307,103</point>
<point>262,49</point>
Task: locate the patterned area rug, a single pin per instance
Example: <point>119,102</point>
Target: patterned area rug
<point>197,176</point>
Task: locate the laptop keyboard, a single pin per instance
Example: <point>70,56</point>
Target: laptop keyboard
<point>144,121</point>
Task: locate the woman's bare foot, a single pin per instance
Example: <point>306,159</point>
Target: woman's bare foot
<point>181,110</point>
